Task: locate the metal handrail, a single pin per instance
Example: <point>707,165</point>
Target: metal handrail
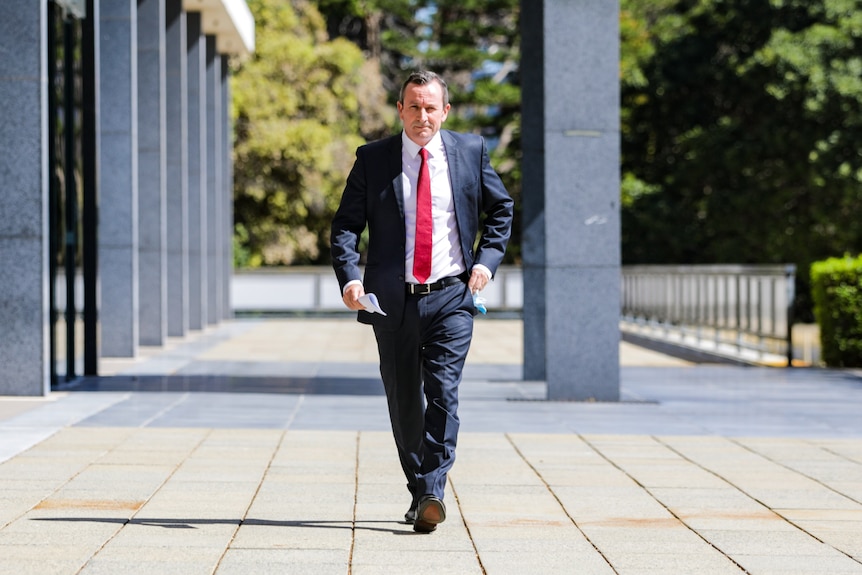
<point>746,306</point>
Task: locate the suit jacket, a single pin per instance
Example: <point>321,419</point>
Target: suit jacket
<point>374,197</point>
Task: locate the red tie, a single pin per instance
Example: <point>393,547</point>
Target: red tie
<point>424,228</point>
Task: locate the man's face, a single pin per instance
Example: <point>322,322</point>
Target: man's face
<point>422,112</point>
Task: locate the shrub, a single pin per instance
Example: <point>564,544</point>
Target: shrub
<point>836,288</point>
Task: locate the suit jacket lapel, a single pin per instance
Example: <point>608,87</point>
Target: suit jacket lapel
<point>453,158</point>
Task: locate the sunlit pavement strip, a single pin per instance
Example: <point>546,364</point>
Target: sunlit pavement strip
<point>132,500</point>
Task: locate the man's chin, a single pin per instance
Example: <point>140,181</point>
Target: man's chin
<point>422,137</point>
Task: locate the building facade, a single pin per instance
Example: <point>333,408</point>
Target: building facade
<point>115,179</point>
<point>115,191</point>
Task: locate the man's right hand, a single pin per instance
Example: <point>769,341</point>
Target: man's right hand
<point>351,297</point>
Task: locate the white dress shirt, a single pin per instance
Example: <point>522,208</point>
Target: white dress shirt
<point>446,257</point>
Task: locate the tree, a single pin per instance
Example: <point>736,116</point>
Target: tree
<point>301,105</point>
<point>473,44</point>
<point>385,30</point>
<point>740,135</point>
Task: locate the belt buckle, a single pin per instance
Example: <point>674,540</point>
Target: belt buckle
<point>420,289</point>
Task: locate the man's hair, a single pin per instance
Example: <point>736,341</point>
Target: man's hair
<point>421,78</point>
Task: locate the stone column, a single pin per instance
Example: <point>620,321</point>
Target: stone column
<point>152,172</point>
<point>197,172</point>
<point>118,178</point>
<point>227,186</point>
<point>24,336</point>
<point>177,184</point>
<point>214,182</point>
<point>533,194</point>
<point>571,243</point>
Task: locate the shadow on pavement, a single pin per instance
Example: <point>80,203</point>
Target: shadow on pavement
<point>230,384</point>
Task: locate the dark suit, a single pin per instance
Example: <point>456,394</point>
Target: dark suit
<point>423,340</point>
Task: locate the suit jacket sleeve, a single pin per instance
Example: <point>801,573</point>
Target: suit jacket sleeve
<point>371,199</point>
<point>348,225</point>
<point>498,209</point>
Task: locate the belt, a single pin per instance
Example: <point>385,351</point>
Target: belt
<point>423,289</point>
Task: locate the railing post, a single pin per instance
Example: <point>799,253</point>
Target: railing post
<point>698,306</point>
<point>789,279</point>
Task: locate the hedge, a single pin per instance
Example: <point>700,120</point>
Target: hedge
<point>836,289</point>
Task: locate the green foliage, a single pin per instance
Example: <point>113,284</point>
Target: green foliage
<point>837,291</point>
<point>473,44</point>
<point>301,105</point>
<point>740,120</point>
<point>741,126</point>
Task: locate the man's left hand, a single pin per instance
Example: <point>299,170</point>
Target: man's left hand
<point>478,281</point>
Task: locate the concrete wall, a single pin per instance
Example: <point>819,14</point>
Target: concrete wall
<point>164,219</point>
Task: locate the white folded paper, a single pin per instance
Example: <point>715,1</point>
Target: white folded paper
<point>371,304</point>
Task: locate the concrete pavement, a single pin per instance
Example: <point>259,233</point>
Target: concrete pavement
<point>262,446</point>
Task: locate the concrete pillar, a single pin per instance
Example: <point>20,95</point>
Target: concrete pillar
<point>571,237</point>
<point>152,172</point>
<point>24,336</point>
<point>533,195</point>
<point>177,184</point>
<point>214,179</point>
<point>227,186</point>
<point>118,178</point>
<point>197,172</point>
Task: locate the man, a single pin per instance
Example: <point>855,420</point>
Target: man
<point>421,195</point>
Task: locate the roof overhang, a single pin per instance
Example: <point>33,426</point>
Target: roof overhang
<point>230,21</point>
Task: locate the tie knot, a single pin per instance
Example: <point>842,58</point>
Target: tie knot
<point>424,153</point>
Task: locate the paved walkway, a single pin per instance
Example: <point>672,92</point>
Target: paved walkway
<point>263,447</point>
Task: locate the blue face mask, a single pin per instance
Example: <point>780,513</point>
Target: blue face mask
<point>479,302</point>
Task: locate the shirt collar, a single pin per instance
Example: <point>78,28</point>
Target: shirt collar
<point>435,146</point>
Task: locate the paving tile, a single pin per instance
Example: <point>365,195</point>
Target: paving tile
<point>144,566</point>
<point>836,516</point>
<point>420,555</point>
<point>34,564</point>
<point>562,560</point>
<point>169,557</point>
<point>708,560</point>
<point>295,533</point>
<point>148,531</point>
<point>46,549</point>
<point>785,543</point>
<point>280,561</point>
<point>638,539</point>
<point>775,564</point>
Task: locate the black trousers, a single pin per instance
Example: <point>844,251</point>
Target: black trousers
<point>421,365</point>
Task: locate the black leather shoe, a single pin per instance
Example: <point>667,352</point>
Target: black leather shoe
<point>429,514</point>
